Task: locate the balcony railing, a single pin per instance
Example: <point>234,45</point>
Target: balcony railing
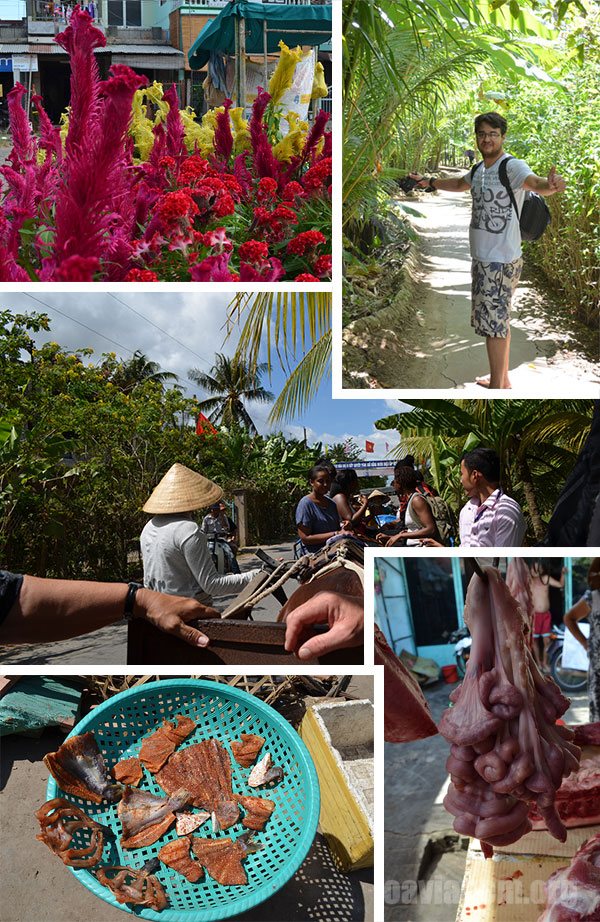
<point>48,11</point>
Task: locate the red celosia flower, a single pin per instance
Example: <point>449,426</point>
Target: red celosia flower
<point>167,163</point>
<point>231,184</point>
<point>253,251</point>
<point>223,142</point>
<point>262,215</point>
<point>281,213</point>
<point>174,207</point>
<point>315,177</point>
<point>322,265</point>
<point>223,206</point>
<point>308,240</point>
<point>267,189</point>
<point>141,275</point>
<point>192,169</point>
<point>292,191</point>
<point>77,269</point>
<point>306,277</point>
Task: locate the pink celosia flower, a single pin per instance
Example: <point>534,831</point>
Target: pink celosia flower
<point>242,174</point>
<point>217,239</point>
<point>269,271</point>
<point>79,40</point>
<point>223,138</point>
<point>77,269</point>
<point>265,162</point>
<point>212,269</point>
<point>175,131</point>
<point>23,144</point>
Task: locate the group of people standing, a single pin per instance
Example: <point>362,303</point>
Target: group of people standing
<point>335,506</point>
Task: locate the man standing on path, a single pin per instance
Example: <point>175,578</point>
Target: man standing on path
<point>541,581</point>
<point>490,518</point>
<point>495,237</point>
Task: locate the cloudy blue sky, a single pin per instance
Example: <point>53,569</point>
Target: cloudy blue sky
<point>182,331</point>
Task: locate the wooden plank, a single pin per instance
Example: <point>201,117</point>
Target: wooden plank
<point>7,682</point>
<point>542,843</point>
<point>506,888</point>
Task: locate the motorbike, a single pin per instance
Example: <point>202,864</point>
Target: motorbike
<point>223,554</point>
<point>462,648</point>
<point>568,680</point>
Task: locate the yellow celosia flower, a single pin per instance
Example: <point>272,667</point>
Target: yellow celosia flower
<point>241,132</point>
<point>64,125</point>
<point>284,72</point>
<point>319,87</point>
<point>197,136</point>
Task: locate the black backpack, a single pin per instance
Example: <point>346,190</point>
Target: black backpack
<point>535,214</point>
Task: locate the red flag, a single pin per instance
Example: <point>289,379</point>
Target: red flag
<point>369,447</point>
<point>204,426</point>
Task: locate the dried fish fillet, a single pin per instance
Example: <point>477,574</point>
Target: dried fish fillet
<point>176,855</point>
<point>264,772</point>
<point>246,750</point>
<point>205,770</point>
<point>145,818</point>
<point>128,771</point>
<point>79,769</point>
<point>189,822</point>
<point>258,810</point>
<point>157,747</point>
<point>223,858</point>
<point>138,887</point>
<point>59,821</point>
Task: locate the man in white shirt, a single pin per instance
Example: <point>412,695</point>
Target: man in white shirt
<point>495,236</point>
<point>489,518</point>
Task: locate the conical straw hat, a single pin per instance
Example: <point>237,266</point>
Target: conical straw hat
<point>375,493</point>
<point>182,490</point>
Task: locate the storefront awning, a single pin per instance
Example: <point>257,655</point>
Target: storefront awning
<point>294,24</point>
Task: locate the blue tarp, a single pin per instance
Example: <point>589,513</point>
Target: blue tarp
<point>219,35</point>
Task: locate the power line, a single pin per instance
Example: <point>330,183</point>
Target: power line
<point>96,332</point>
<point>147,319</point>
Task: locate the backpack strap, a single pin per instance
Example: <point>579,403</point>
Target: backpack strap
<point>503,177</point>
<point>474,168</point>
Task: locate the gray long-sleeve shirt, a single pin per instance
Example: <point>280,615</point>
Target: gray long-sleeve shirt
<point>177,561</point>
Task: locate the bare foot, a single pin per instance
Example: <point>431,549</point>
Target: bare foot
<point>485,382</point>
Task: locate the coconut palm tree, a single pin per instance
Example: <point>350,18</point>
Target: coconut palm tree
<point>231,381</point>
<point>132,372</point>
<point>537,441</point>
<point>295,327</point>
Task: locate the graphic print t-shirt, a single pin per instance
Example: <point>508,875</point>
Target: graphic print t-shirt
<point>494,234</point>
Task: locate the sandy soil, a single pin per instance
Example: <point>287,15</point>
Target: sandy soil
<point>548,353</point>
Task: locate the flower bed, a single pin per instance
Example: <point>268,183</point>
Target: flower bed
<point>116,195</point>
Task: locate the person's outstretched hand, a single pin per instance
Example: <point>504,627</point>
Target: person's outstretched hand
<point>343,613</point>
<point>556,183</point>
<point>171,613</point>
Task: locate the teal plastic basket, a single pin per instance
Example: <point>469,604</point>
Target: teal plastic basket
<point>223,713</point>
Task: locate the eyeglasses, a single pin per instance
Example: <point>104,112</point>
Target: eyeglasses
<point>481,135</point>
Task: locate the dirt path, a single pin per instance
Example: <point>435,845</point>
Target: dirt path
<point>549,357</point>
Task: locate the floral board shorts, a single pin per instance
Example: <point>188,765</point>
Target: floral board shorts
<point>492,288</point>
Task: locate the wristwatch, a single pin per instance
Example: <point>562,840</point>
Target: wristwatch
<point>130,601</point>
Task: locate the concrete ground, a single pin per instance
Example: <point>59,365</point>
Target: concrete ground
<point>37,888</point>
<point>420,843</point>
<point>109,645</point>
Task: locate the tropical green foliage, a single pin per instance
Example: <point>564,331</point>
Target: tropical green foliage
<point>79,455</point>
<point>416,73</point>
<point>295,330</point>
<point>537,441</point>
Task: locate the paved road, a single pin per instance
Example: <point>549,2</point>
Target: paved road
<point>109,645</point>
